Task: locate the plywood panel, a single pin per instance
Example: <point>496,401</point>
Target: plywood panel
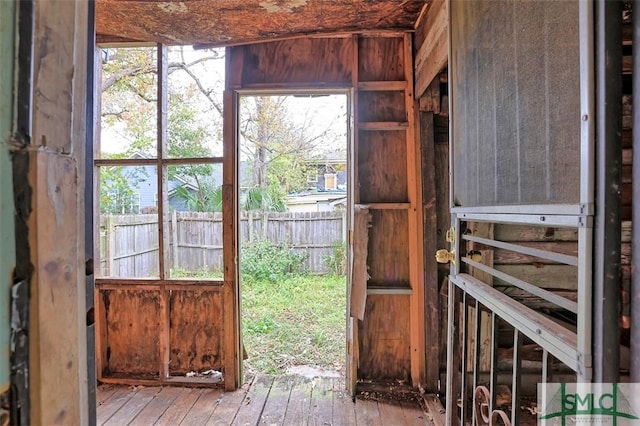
<point>101,333</point>
<point>359,274</point>
<point>382,167</point>
<point>195,331</point>
<point>381,59</point>
<point>295,62</point>
<point>382,106</point>
<point>384,338</point>
<point>133,320</point>
<point>389,248</point>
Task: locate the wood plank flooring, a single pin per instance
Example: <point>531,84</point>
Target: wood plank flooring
<point>264,400</point>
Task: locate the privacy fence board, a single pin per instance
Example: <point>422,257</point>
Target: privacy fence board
<point>129,243</point>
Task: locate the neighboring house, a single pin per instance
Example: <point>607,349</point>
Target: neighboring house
<point>315,202</point>
<point>328,173</point>
<point>141,196</point>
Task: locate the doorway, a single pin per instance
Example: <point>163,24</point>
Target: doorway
<point>293,195</point>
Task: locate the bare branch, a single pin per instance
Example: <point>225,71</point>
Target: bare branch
<point>131,72</point>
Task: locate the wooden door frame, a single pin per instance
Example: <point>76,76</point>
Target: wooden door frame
<point>232,300</point>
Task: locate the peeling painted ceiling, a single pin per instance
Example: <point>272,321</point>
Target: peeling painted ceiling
<point>228,22</point>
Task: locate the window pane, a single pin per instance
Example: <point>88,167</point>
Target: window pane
<point>195,239</point>
<point>129,107</point>
<point>195,87</point>
<point>128,221</point>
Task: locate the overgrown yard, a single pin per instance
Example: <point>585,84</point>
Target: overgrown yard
<point>295,320</point>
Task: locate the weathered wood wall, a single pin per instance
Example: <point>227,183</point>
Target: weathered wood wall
<point>434,139</point>
<point>193,344</point>
<point>132,326</point>
<point>552,276</point>
<point>48,164</point>
<point>287,63</point>
<point>384,353</point>
<point>132,338</point>
<point>431,43</point>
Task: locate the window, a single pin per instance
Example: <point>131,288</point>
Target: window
<point>330,182</point>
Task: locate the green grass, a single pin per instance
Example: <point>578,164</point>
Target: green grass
<point>296,321</point>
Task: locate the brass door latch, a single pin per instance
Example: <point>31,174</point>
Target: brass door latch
<point>445,256</point>
<point>450,235</point>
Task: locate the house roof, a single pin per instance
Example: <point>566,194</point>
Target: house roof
<point>229,22</point>
<point>314,198</point>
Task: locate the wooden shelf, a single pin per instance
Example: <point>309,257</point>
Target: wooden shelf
<point>382,86</point>
<point>388,206</point>
<point>384,125</point>
<point>390,291</point>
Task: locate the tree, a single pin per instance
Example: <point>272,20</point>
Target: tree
<point>207,199</point>
<point>276,147</point>
<point>129,96</point>
<point>117,189</point>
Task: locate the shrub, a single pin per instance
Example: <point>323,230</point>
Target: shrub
<point>263,260</point>
<point>336,261</point>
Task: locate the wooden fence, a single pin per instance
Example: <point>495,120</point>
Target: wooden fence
<point>129,243</point>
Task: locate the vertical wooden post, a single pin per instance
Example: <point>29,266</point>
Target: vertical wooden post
<point>353,197</point>
<point>111,246</point>
<point>250,225</point>
<point>432,296</point>
<point>231,289</point>
<point>265,225</point>
<point>414,187</point>
<point>53,178</point>
<point>163,204</point>
<point>174,237</point>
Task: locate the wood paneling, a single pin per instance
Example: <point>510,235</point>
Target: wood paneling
<point>195,332</point>
<point>383,339</point>
<point>382,169</point>
<point>388,248</point>
<point>132,321</point>
<point>295,62</point>
<point>382,106</point>
<point>432,45</point>
<point>381,59</point>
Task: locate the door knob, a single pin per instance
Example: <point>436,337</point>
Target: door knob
<point>445,256</point>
